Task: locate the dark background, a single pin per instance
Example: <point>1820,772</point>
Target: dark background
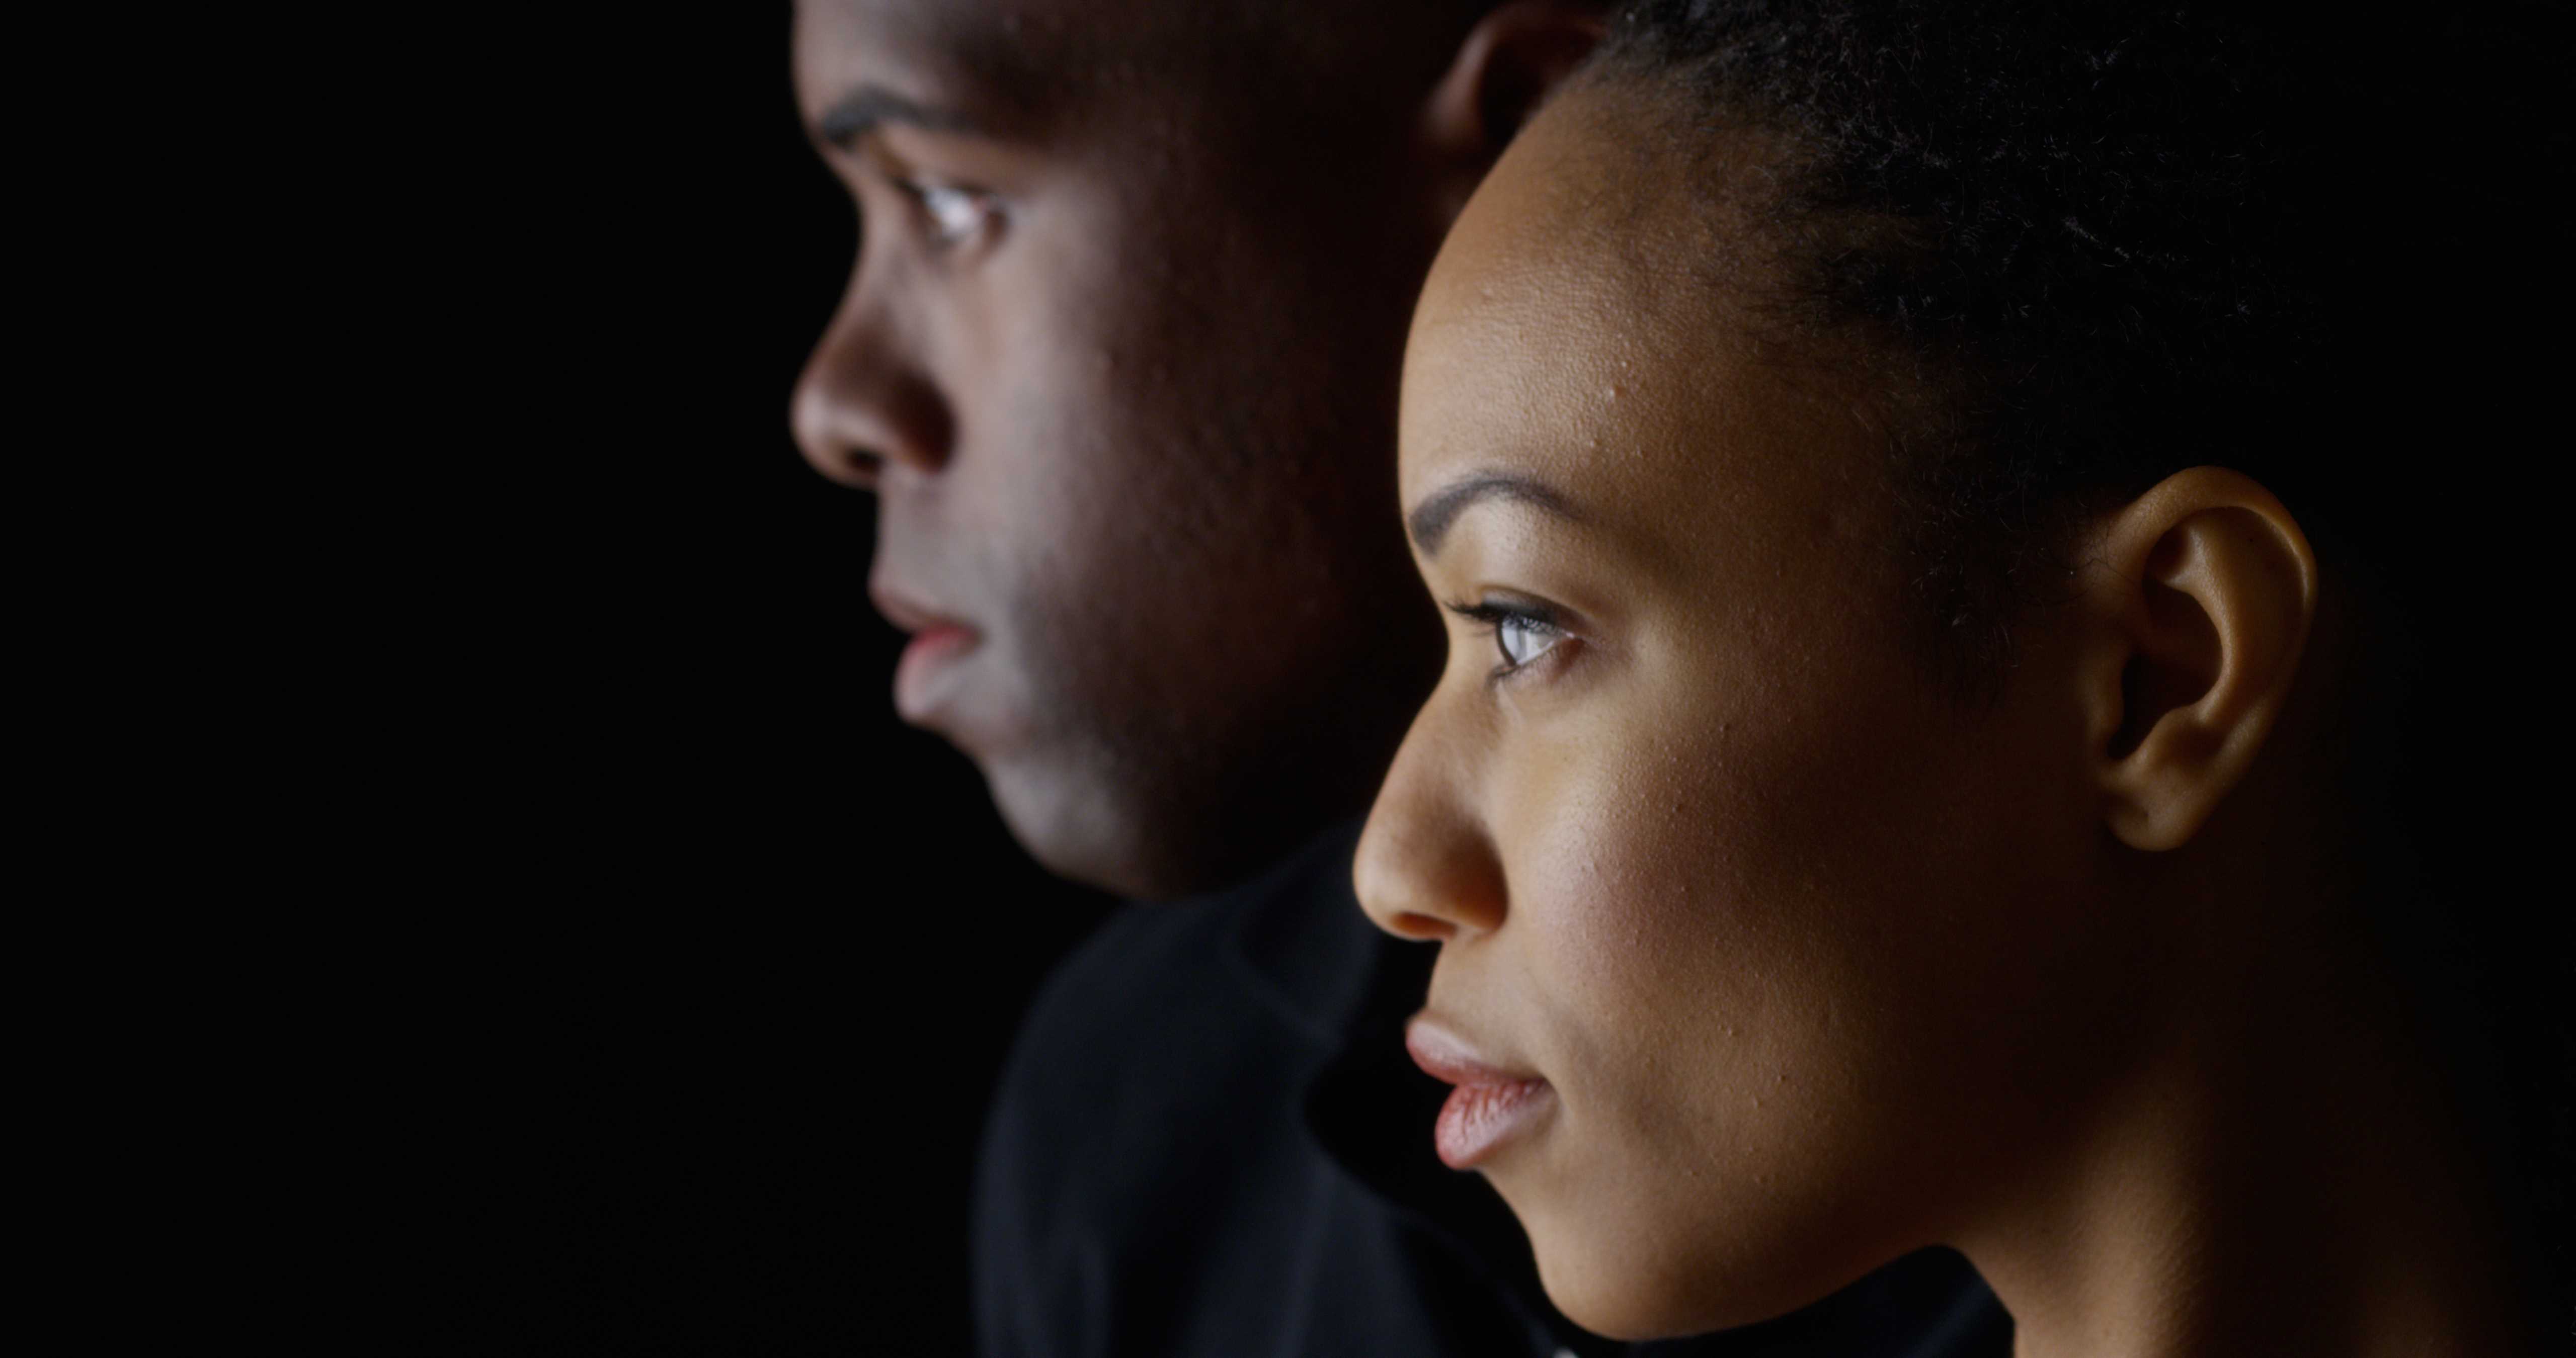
<point>612,973</point>
<point>668,973</point>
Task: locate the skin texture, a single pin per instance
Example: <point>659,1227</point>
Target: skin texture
<point>1822,964</point>
<point>1123,402</point>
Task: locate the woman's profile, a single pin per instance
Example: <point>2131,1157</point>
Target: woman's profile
<point>1923,756</point>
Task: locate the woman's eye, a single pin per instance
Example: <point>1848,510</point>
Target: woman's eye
<point>956,215</point>
<point>1522,632</point>
<point>1522,639</point>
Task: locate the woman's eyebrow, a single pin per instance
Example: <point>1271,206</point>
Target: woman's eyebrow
<point>1430,520</point>
<point>863,110</point>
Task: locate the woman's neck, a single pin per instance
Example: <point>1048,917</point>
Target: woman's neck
<point>2281,1177</point>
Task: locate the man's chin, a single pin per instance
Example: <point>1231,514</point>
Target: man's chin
<point>1073,827</point>
<point>1089,830</point>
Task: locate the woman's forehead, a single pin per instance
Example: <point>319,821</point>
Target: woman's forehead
<point>1581,328</point>
<point>1527,321</point>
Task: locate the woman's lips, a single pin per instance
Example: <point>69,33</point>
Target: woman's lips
<point>1490,1106</point>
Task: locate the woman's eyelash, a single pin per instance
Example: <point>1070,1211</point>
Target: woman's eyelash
<point>1491,614</point>
<point>1506,622</point>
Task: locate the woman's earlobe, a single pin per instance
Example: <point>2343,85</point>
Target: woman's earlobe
<point>2208,590</point>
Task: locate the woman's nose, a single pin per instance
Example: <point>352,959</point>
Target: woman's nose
<point>1427,867</point>
<point>865,405</point>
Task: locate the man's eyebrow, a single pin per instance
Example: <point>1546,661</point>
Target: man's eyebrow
<point>1429,522</point>
<point>862,110</point>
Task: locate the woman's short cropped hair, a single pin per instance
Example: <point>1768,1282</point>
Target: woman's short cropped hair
<point>2096,242</point>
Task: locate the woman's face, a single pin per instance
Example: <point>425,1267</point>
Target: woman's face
<point>1741,917</point>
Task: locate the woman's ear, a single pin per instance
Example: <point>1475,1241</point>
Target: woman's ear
<point>2203,591</point>
<point>1503,70</point>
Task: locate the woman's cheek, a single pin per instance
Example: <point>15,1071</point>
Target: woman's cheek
<point>1619,888</point>
<point>1671,935</point>
<point>1593,884</point>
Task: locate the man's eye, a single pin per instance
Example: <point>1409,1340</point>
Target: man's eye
<point>1522,639</point>
<point>956,215</point>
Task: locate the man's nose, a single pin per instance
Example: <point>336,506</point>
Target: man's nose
<point>864,408</point>
<point>1427,868</point>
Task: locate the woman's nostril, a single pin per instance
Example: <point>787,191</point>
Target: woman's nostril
<point>1408,924</point>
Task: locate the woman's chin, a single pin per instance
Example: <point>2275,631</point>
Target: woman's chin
<point>1633,1309</point>
<point>1616,1285</point>
<point>1631,1276</point>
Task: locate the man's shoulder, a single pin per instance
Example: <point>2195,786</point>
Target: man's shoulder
<point>1150,1182</point>
<point>1151,995</point>
<point>1155,1079</point>
<point>1141,961</point>
<point>1173,982</point>
<point>1177,1027</point>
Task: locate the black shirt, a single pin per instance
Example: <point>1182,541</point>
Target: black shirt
<point>1210,1142</point>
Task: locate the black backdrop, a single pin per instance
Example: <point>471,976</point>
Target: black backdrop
<point>665,974</point>
<point>617,975</point>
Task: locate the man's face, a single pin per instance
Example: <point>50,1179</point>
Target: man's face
<point>1118,359</point>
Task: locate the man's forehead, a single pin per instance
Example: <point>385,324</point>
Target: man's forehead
<point>1007,44</point>
<point>932,23</point>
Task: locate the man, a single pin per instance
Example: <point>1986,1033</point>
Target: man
<point>1119,360</point>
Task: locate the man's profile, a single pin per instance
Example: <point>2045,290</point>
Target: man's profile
<point>1120,334</point>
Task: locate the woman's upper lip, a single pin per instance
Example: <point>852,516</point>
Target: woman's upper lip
<point>1452,1059</point>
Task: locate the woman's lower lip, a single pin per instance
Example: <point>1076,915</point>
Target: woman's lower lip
<point>930,650</point>
<point>1479,1118</point>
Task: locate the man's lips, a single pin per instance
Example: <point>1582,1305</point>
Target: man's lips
<point>937,641</point>
<point>1490,1105</point>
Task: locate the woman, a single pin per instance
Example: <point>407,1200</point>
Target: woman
<point>1903,775</point>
